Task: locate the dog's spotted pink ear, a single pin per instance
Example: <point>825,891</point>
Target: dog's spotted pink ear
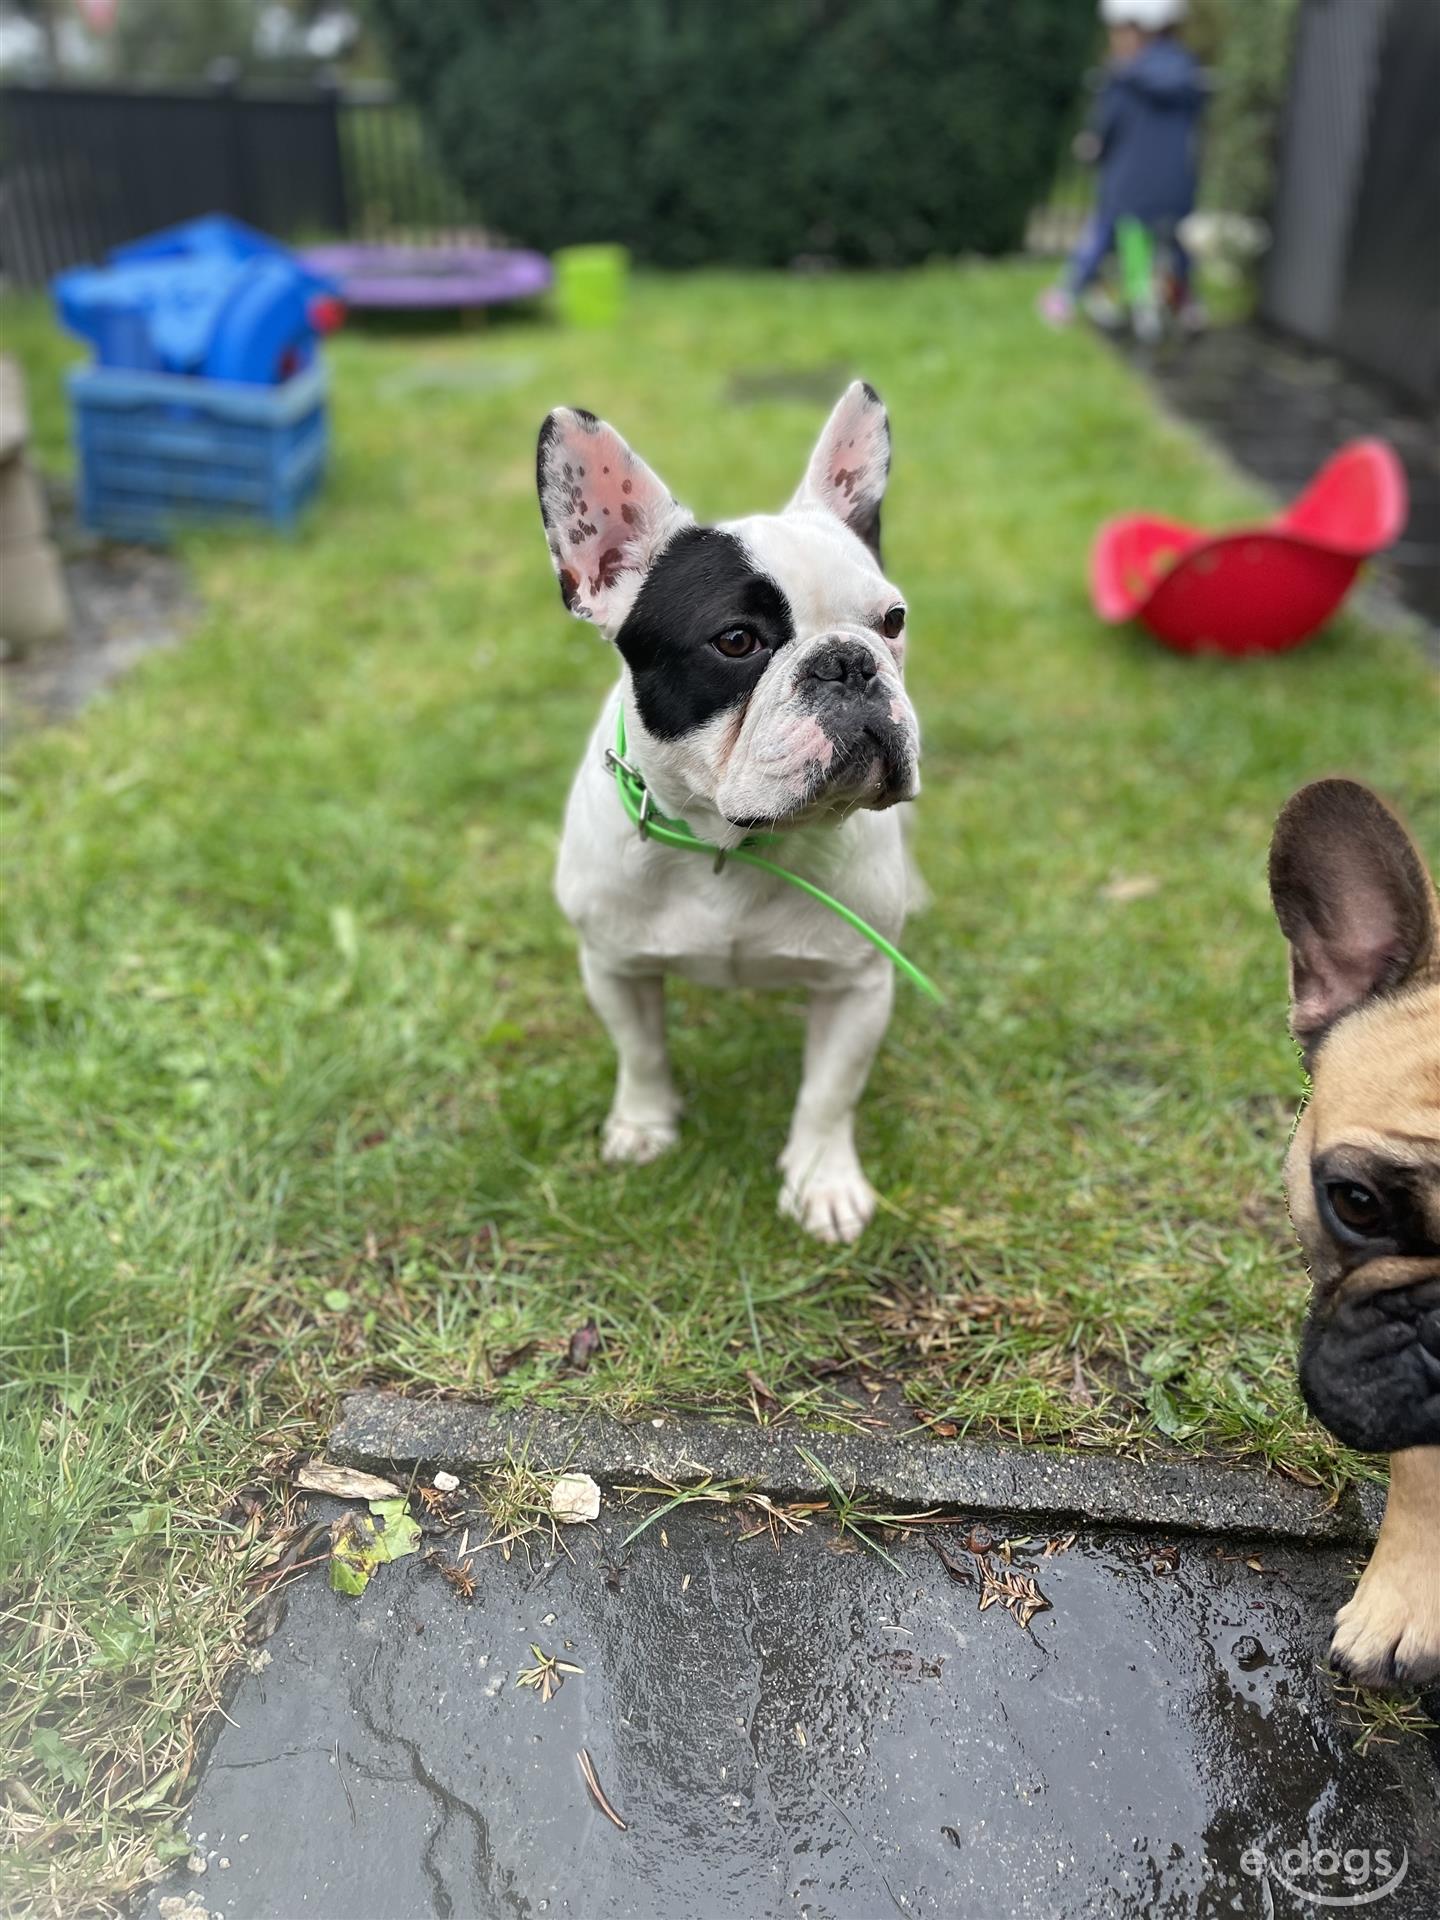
<point>1353,899</point>
<point>851,463</point>
<point>606,515</point>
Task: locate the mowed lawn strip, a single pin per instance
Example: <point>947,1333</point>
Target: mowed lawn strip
<point>301,1089</point>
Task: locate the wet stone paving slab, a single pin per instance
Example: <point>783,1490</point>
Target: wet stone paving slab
<point>810,1731</point>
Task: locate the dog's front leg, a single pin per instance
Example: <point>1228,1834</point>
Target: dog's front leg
<point>645,1113</point>
<point>825,1189</point>
<point>1389,1633</point>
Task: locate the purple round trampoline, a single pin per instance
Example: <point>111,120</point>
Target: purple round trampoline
<point>435,277</point>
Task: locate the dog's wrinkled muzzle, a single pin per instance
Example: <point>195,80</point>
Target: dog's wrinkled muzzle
<point>833,735</point>
<point>1370,1359</point>
<point>849,688</point>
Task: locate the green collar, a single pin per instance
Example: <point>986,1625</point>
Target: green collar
<point>636,799</point>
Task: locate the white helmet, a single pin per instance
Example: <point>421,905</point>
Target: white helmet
<point>1151,16</point>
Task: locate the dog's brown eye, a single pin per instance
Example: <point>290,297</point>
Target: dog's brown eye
<point>1356,1208</point>
<point>892,624</point>
<point>737,643</point>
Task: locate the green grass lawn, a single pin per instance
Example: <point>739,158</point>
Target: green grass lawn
<point>301,1090</point>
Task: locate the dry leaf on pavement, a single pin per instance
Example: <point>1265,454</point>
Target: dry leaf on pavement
<point>345,1483</point>
<point>1016,1592</point>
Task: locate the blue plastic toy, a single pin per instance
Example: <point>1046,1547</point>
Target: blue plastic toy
<point>207,399</point>
<point>212,298</point>
<point>213,236</point>
<point>158,452</point>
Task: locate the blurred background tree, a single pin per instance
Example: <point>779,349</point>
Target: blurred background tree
<point>870,132</point>
<point>1247,44</point>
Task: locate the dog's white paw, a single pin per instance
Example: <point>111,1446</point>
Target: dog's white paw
<point>826,1194</point>
<point>635,1143</point>
<point>1388,1635</point>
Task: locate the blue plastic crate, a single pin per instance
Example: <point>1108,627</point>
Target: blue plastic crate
<point>159,451</point>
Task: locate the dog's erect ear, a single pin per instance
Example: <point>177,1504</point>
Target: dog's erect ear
<point>606,515</point>
<point>1353,899</point>
<point>851,463</point>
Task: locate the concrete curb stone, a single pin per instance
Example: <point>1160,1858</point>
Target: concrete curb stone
<point>388,1433</point>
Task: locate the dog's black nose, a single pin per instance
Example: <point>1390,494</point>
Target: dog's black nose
<point>1370,1366</point>
<point>845,663</point>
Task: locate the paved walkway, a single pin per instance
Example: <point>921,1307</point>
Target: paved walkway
<point>812,1731</point>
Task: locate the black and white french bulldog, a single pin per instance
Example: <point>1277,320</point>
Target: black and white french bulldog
<point>762,684</point>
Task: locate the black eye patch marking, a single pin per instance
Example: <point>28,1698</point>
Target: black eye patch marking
<point>703,585</point>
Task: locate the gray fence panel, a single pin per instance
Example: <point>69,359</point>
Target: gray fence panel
<point>83,169</point>
<point>1389,311</point>
<point>1322,154</point>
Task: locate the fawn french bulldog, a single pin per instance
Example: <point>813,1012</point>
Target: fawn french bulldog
<point>1362,918</point>
<point>761,689</point>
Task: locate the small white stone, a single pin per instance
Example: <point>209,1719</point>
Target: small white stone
<point>445,1482</point>
<point>197,1863</point>
<point>573,1498</point>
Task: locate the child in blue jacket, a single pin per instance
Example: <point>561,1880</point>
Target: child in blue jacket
<point>1144,135</point>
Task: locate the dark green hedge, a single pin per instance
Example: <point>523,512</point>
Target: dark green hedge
<point>869,131</point>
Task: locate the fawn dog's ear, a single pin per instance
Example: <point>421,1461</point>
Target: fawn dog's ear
<point>1353,899</point>
<point>606,515</point>
<point>851,463</point>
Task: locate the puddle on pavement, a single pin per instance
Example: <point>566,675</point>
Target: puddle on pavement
<point>810,1732</point>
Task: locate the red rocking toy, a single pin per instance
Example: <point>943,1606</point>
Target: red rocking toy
<point>1262,588</point>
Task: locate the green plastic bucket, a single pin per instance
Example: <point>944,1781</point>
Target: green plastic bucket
<point>590,284</point>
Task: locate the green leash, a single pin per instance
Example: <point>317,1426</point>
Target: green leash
<point>636,799</point>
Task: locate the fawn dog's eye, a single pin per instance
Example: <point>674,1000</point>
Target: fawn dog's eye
<point>737,643</point>
<point>1359,1213</point>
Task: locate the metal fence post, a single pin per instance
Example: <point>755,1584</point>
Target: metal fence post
<point>224,78</point>
<point>329,91</point>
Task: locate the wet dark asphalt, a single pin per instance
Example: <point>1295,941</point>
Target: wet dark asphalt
<point>808,1732</point>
